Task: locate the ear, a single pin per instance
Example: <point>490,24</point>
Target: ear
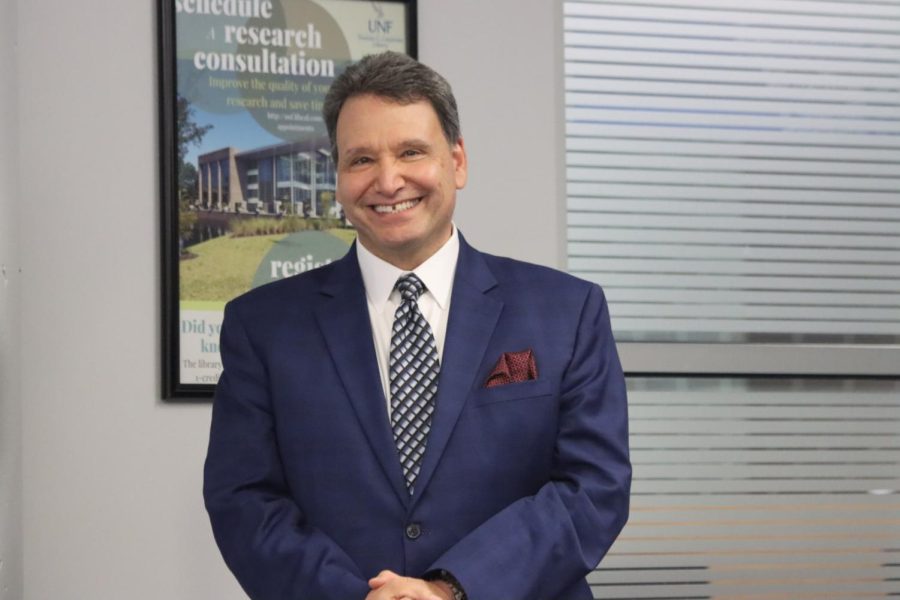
<point>460,163</point>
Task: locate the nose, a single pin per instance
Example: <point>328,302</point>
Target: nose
<point>389,179</point>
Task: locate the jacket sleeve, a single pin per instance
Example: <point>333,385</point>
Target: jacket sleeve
<point>258,527</point>
<point>539,546</point>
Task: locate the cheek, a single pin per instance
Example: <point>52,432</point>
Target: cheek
<point>426,174</point>
<point>348,190</point>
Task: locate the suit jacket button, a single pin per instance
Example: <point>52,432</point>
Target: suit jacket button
<point>413,531</point>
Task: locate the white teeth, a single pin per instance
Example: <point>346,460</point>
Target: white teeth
<point>394,208</point>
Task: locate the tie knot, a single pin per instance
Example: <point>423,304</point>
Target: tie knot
<point>410,287</point>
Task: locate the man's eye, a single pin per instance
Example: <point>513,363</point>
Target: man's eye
<point>412,152</point>
<point>359,160</point>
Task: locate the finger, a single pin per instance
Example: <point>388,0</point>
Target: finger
<point>382,578</point>
<point>383,593</point>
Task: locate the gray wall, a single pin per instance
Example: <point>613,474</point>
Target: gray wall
<point>111,474</point>
<point>502,59</point>
<point>10,286</point>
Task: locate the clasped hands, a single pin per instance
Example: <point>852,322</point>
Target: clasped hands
<point>388,585</point>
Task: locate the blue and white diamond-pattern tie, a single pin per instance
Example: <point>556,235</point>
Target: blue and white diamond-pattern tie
<point>414,368</point>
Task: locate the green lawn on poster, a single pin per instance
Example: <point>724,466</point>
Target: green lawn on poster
<point>224,267</point>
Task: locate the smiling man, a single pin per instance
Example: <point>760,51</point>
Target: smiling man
<point>417,420</point>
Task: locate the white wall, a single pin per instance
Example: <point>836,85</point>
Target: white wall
<point>10,289</point>
<point>112,475</point>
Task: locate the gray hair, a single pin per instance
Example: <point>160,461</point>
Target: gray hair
<point>396,77</point>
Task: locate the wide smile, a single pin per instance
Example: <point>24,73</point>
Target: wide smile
<point>388,209</point>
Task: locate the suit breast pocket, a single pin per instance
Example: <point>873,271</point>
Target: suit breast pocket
<point>513,391</point>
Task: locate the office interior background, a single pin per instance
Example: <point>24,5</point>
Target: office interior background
<point>763,488</point>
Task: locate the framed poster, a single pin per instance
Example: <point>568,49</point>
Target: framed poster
<point>247,180</point>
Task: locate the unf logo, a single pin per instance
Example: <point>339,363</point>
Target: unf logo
<point>380,26</point>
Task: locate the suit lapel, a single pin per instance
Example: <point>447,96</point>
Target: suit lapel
<point>343,316</point>
<point>473,316</point>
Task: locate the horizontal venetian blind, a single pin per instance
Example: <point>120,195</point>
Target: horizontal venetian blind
<point>760,490</point>
<point>733,168</point>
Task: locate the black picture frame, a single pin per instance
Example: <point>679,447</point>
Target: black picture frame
<point>171,159</point>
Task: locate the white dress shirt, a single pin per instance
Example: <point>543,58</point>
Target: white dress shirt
<point>379,278</point>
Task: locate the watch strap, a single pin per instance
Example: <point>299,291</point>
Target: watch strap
<point>449,579</point>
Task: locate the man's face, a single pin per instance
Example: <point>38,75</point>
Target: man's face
<point>397,177</point>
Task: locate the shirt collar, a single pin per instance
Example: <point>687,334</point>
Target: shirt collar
<point>379,276</point>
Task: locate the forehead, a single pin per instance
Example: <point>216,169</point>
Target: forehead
<point>368,112</point>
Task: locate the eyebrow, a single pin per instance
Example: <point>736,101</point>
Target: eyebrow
<point>350,152</point>
<point>407,143</point>
<point>415,143</point>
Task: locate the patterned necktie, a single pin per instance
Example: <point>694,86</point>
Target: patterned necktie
<point>414,368</point>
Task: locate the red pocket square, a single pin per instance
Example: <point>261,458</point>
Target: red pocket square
<point>513,367</point>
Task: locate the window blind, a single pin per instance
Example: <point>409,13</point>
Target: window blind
<point>759,490</point>
<point>733,168</point>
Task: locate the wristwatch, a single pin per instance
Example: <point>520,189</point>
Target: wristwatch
<point>449,579</point>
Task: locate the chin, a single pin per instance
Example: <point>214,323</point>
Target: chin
<point>399,237</point>
<point>400,244</point>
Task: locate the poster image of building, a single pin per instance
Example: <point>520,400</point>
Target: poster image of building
<point>295,178</point>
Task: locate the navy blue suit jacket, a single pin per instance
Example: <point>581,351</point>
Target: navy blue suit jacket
<point>523,487</point>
